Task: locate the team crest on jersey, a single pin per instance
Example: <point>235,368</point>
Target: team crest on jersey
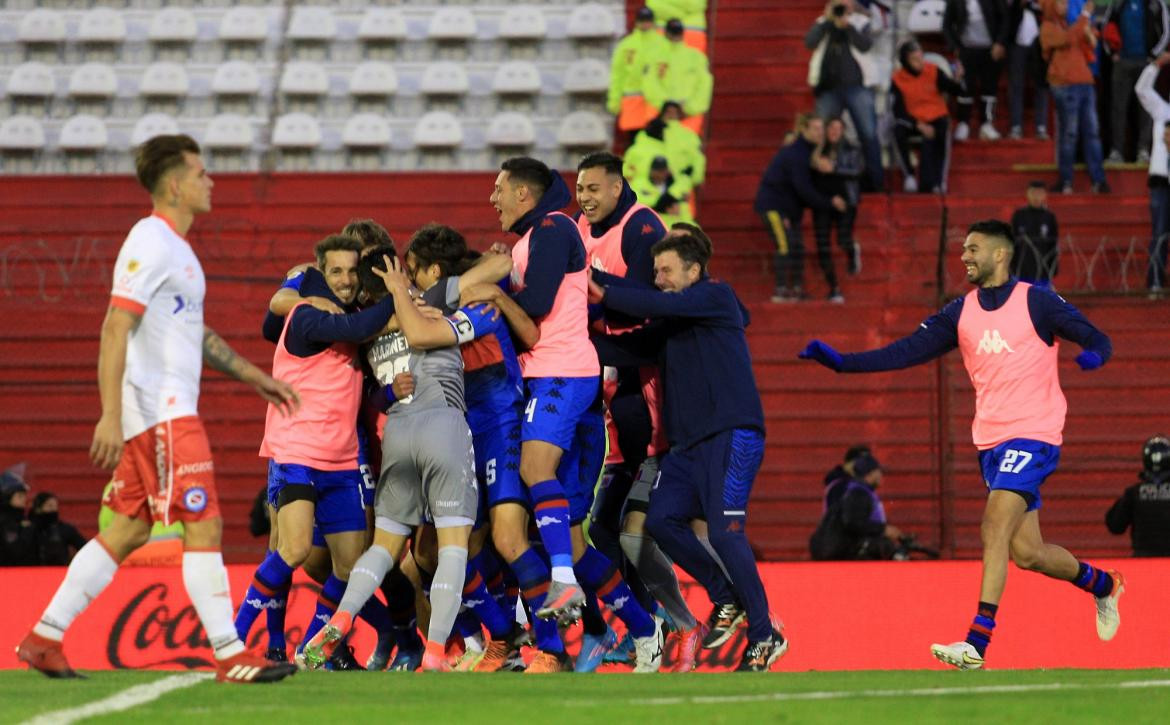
<point>132,266</point>
<point>548,222</point>
<point>647,229</point>
<point>992,343</point>
<point>195,499</point>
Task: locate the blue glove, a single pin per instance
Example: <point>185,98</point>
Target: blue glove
<point>1090,360</point>
<point>822,353</point>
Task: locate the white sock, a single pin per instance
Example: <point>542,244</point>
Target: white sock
<point>89,574</point>
<point>206,580</point>
<point>563,574</point>
<point>446,592</point>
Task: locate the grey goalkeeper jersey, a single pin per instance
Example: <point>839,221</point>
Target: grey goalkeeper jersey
<point>438,373</point>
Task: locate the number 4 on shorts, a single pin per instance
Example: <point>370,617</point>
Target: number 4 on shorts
<point>530,409</point>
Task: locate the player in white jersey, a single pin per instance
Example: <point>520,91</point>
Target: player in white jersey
<point>153,342</point>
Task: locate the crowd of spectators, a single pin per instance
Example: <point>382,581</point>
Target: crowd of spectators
<point>33,535</point>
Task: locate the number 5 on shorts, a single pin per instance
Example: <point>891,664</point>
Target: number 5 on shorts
<point>1009,464</point>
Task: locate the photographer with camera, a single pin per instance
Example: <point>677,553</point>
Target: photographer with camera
<point>842,74</point>
<point>853,526</point>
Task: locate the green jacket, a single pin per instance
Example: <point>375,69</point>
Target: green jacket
<point>632,58</point>
<point>692,13</point>
<point>650,195</point>
<point>680,145</point>
<point>680,74</point>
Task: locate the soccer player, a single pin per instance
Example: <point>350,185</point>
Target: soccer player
<point>714,423</point>
<point>428,469</point>
<point>314,477</point>
<point>152,343</point>
<point>1006,331</point>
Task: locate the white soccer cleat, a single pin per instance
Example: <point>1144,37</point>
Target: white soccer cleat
<point>1108,618</point>
<point>987,132</point>
<point>649,649</point>
<point>962,131</point>
<point>962,655</point>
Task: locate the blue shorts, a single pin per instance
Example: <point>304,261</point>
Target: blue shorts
<point>369,480</point>
<point>339,494</point>
<point>497,464</point>
<point>1019,465</point>
<point>581,465</point>
<point>554,407</point>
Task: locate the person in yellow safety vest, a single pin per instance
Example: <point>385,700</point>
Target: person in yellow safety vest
<point>664,192</point>
<point>164,548</point>
<point>632,59</point>
<point>681,146</point>
<point>680,74</point>
<point>692,13</point>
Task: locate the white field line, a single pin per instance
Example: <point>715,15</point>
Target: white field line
<point>124,700</point>
<point>859,694</point>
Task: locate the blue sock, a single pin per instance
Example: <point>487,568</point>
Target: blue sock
<point>533,576</point>
<point>599,575</point>
<point>592,622</point>
<point>274,620</point>
<point>478,601</point>
<point>551,513</point>
<point>399,593</point>
<point>327,601</point>
<point>271,579</point>
<point>979,636</point>
<point>467,624</point>
<point>376,614</point>
<point>1096,581</point>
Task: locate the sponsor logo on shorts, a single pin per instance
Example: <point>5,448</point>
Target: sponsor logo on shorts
<point>190,468</point>
<point>195,499</point>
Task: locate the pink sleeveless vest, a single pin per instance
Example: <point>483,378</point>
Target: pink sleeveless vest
<point>1017,386</point>
<point>323,433</point>
<point>564,350</point>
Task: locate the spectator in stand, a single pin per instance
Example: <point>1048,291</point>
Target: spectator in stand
<point>978,32</point>
<point>853,523</point>
<point>18,543</point>
<point>845,467</point>
<point>634,55</point>
<point>57,541</point>
<point>663,192</point>
<point>785,191</point>
<point>666,136</point>
<point>682,75</point>
<point>692,13</point>
<point>1144,508</point>
<point>920,112</point>
<point>1026,62</point>
<point>1068,48</point>
<point>842,74</point>
<point>837,168</point>
<point>1036,258</point>
<point>1159,175</point>
<point>1135,31</point>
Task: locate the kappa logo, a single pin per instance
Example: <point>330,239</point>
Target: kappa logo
<point>992,343</point>
<point>647,229</point>
<point>257,603</point>
<point>619,603</point>
<point>323,617</point>
<point>546,520</point>
<point>473,603</point>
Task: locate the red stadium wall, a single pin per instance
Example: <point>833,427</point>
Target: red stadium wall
<point>853,616</point>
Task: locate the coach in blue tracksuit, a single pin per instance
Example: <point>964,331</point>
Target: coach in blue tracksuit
<point>715,425</point>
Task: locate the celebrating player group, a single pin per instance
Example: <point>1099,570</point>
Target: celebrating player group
<point>438,422</point>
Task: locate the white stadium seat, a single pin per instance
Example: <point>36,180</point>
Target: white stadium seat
<point>296,131</point>
<point>515,78</point>
<point>164,79</point>
<point>591,21</point>
<point>373,78</point>
<point>93,79</point>
<point>582,129</point>
<point>235,78</point>
<point>444,79</point>
<point>84,133</point>
<point>21,133</point>
<point>173,25</point>
<point>511,129</point>
<point>31,79</point>
<point>382,24</point>
<point>229,131</point>
<point>42,26</point>
<point>451,24</point>
<point>101,25</point>
<point>523,22</point>
<point>366,130</point>
<point>151,125</point>
<point>586,76</point>
<point>304,78</point>
<point>242,24</point>
<point>438,129</point>
<point>312,23</point>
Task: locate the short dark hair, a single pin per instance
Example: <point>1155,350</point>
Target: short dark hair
<point>438,244</point>
<point>530,172</point>
<point>336,243</point>
<point>993,228</point>
<point>688,248</point>
<point>470,259</point>
<point>695,231</point>
<point>156,156</point>
<point>861,449</point>
<point>40,499</point>
<point>368,231</point>
<point>611,163</point>
<point>372,283</point>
